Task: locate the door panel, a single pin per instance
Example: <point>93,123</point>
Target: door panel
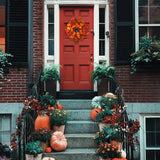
<point>75,57</point>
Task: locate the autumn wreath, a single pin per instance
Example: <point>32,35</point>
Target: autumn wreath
<point>76,29</point>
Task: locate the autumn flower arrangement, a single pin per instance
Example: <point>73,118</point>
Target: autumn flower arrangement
<point>42,135</point>
<point>58,117</point>
<point>76,29</point>
<point>107,150</point>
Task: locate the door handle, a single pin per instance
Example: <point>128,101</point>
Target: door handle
<point>91,58</point>
<point>91,54</point>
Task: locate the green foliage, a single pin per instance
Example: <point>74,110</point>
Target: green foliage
<point>51,73</point>
<point>108,102</point>
<point>148,52</point>
<point>108,134</point>
<point>58,117</point>
<point>47,100</point>
<point>106,113</point>
<point>33,148</point>
<point>102,71</point>
<point>42,134</point>
<point>4,61</point>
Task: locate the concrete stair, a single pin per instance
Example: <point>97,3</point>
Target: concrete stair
<point>79,132</point>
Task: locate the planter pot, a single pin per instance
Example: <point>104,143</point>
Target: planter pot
<point>50,87</point>
<point>59,128</point>
<point>102,125</point>
<point>32,157</point>
<point>44,145</point>
<point>148,67</point>
<point>106,86</point>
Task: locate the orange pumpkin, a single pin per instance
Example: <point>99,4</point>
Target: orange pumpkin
<point>42,122</point>
<point>94,112</point>
<point>59,106</point>
<point>58,141</point>
<point>48,149</point>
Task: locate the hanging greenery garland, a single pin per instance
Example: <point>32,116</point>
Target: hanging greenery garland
<point>76,29</point>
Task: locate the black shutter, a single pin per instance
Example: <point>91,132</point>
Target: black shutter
<point>124,30</point>
<point>17,30</point>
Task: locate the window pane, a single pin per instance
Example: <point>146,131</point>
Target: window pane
<point>154,32</point>
<point>150,139</point>
<point>143,15</point>
<point>102,48</point>
<point>150,155</point>
<point>124,10</point>
<point>142,32</point>
<point>150,124</point>
<point>101,31</point>
<point>154,2</point>
<point>158,124</point>
<point>102,15</point>
<point>158,140</point>
<point>143,2</point>
<point>51,15</point>
<point>157,155</point>
<point>2,38</point>
<point>51,47</point>
<point>154,15</point>
<point>2,15</point>
<point>2,2</point>
<point>51,31</point>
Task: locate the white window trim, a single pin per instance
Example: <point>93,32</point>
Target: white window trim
<point>143,147</point>
<point>56,3</point>
<point>137,24</point>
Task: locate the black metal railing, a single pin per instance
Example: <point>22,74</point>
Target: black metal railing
<point>26,126</point>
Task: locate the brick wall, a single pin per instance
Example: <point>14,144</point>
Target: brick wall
<point>15,87</point>
<point>139,87</point>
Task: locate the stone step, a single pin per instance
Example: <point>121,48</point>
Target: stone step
<point>79,114</point>
<point>80,140</point>
<point>73,127</point>
<point>76,104</point>
<point>74,154</point>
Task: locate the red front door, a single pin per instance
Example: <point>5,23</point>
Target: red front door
<point>76,58</point>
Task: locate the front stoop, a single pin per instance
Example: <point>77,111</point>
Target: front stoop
<point>79,132</point>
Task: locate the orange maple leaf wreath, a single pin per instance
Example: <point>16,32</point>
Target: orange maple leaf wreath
<point>76,29</point>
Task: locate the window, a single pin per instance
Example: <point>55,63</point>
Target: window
<point>149,21</point>
<point>5,128</point>
<point>2,25</point>
<point>152,138</point>
<point>124,30</point>
<point>50,31</point>
<point>101,31</point>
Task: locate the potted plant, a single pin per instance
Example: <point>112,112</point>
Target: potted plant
<point>103,74</point>
<point>43,135</point>
<point>33,151</point>
<point>50,76</point>
<point>58,119</point>
<point>148,54</point>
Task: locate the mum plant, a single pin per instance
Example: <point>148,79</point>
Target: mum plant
<point>42,135</point>
<point>106,150</point>
<point>148,52</point>
<point>58,117</point>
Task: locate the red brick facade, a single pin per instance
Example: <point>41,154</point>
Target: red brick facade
<point>139,87</point>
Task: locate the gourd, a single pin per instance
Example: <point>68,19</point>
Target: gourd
<point>58,141</point>
<point>48,149</point>
<point>94,112</point>
<point>42,122</point>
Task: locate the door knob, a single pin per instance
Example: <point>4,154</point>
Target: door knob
<point>91,54</point>
<point>91,58</point>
